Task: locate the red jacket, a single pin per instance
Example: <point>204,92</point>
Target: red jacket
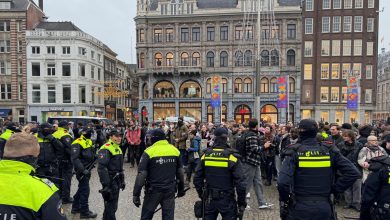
<point>133,136</point>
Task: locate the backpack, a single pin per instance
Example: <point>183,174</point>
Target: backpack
<point>240,145</point>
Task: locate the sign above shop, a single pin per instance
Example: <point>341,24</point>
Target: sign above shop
<point>56,109</point>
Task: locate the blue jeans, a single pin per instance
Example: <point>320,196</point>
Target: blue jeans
<point>184,156</point>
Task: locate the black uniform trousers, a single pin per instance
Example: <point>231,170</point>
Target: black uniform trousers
<point>110,206</point>
<point>49,171</point>
<point>313,210</point>
<point>81,197</point>
<point>226,206</point>
<point>133,154</point>
<point>66,173</point>
<point>152,200</point>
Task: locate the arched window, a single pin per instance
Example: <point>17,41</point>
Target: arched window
<point>248,58</point>
<point>238,85</point>
<point>242,114</point>
<point>184,59</point>
<point>265,58</point>
<point>190,89</point>
<point>142,61</point>
<point>210,59</point>
<point>208,86</point>
<point>210,114</point>
<point>224,113</point>
<point>269,114</point>
<point>291,85</point>
<point>247,85</point>
<point>224,85</point>
<point>290,58</point>
<point>158,59</point>
<point>274,85</point>
<point>264,85</point>
<point>169,59</point>
<point>238,58</point>
<point>145,91</point>
<point>274,58</point>
<point>224,59</point>
<point>196,59</point>
<point>164,89</point>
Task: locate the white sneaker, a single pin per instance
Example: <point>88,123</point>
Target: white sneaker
<point>248,195</point>
<point>265,206</point>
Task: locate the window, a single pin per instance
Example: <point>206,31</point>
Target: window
<point>358,3</point>
<point>238,33</point>
<point>223,59</point>
<point>158,35</point>
<point>335,70</point>
<point>248,32</point>
<point>368,97</point>
<point>265,58</point>
<point>51,50</point>
<point>308,72</point>
<point>5,26</point>
<point>370,24</point>
<point>190,89</point>
<point>290,58</point>
<point>20,67</point>
<point>196,59</point>
<point>168,34</point>
<point>325,71</point>
<point>142,61</point>
<point>51,69</point>
<point>184,35</point>
<point>98,98</point>
<point>66,94</point>
<point>309,5</point>
<point>224,85</point>
<point>291,31</point>
<point>20,91</point>
<point>326,4</point>
<point>141,35</point>
<point>65,50</point>
<point>371,4</point>
<point>358,27</point>
<point>82,51</point>
<point>274,85</point>
<point>196,34</point>
<point>92,55</point>
<point>336,24</point>
<point>336,4</point>
<point>334,94</point>
<point>35,69</point>
<point>325,47</point>
<point>99,71</point>
<point>336,48</point>
<point>51,94</point>
<point>370,48</point>
<point>270,32</point>
<point>36,50</point>
<point>158,59</point>
<point>208,86</point>
<point>347,47</point>
<point>347,23</point>
<point>3,68</point>
<point>274,58</point>
<point>82,69</point>
<point>325,24</point>
<point>184,59</point>
<point>247,85</point>
<point>347,4</point>
<point>210,59</point>
<point>93,95</point>
<point>92,72</point>
<point>66,69</point>
<point>210,33</point>
<point>238,85</point>
<point>169,59</point>
<point>20,46</point>
<point>357,47</point>
<point>308,25</point>
<point>308,48</point>
<point>264,85</point>
<point>291,85</point>
<point>357,70</point>
<point>36,93</point>
<point>346,70</point>
<point>248,58</point>
<point>5,90</point>
<point>224,33</point>
<point>239,59</point>
<point>5,46</point>
<point>368,71</point>
<point>82,94</point>
<point>324,94</point>
<point>344,94</point>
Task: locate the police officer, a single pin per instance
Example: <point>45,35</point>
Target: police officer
<point>9,131</point>
<point>224,177</point>
<point>308,173</point>
<point>83,158</point>
<point>110,170</point>
<point>66,166</point>
<point>161,168</point>
<point>377,190</point>
<point>24,196</point>
<point>50,152</point>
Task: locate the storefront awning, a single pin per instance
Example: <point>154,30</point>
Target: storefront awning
<point>4,112</point>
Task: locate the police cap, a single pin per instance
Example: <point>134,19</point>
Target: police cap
<point>115,133</point>
<point>12,126</point>
<point>221,132</point>
<point>63,123</point>
<point>308,125</point>
<point>44,126</point>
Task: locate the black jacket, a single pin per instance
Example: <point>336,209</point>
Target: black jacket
<point>351,152</point>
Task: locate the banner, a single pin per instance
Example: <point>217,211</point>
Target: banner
<point>352,93</point>
<point>216,92</point>
<point>282,92</point>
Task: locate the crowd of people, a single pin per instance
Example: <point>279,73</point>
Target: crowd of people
<point>257,150</point>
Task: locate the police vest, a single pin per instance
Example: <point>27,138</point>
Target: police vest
<point>313,174</point>
<point>217,170</point>
<point>61,132</point>
<point>46,155</point>
<point>384,192</point>
<point>112,147</point>
<point>115,164</point>
<point>7,134</point>
<point>83,142</point>
<point>22,194</point>
<point>41,140</point>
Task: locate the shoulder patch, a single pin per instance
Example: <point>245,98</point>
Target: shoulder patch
<point>107,145</point>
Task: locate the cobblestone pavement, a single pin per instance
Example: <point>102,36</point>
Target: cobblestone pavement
<point>184,206</point>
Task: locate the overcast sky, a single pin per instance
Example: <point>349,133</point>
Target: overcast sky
<point>111,21</point>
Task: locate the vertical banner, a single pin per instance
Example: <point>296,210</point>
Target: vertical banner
<point>282,89</point>
<point>352,93</point>
<point>216,92</point>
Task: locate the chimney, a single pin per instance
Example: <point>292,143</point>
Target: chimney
<point>41,4</point>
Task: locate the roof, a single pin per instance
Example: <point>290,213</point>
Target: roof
<point>289,2</point>
<point>58,26</point>
<point>202,4</point>
<point>18,5</point>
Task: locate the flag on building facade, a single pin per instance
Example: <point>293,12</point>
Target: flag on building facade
<point>216,92</point>
<point>352,93</point>
<point>282,89</point>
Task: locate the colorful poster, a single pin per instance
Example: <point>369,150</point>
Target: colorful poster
<point>282,90</point>
<point>352,93</point>
<point>216,92</point>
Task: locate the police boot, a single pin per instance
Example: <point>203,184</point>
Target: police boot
<point>89,214</point>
